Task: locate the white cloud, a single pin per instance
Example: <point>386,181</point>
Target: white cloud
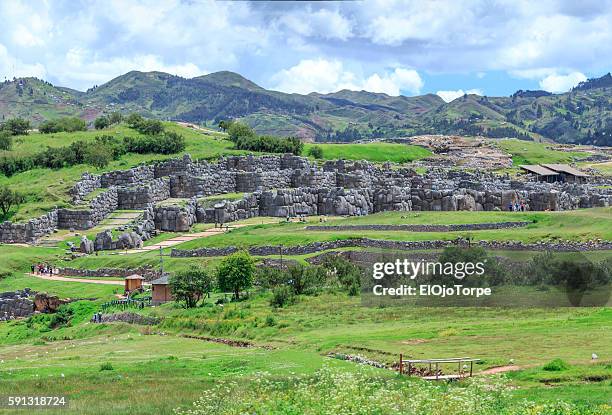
<point>449,96</point>
<point>328,24</point>
<point>325,76</point>
<point>12,67</point>
<point>562,83</point>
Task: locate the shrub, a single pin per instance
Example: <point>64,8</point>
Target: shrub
<point>98,156</point>
<point>8,199</point>
<point>16,126</point>
<point>270,321</point>
<point>556,365</point>
<point>67,124</point>
<point>101,123</point>
<point>168,143</point>
<point>282,296</point>
<point>6,140</point>
<point>316,152</point>
<point>106,366</point>
<point>237,130</point>
<point>61,318</point>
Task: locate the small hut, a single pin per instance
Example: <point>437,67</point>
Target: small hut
<point>133,283</point>
<point>160,291</point>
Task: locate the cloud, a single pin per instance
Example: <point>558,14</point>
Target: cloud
<point>562,83</point>
<point>325,76</point>
<point>12,67</point>
<point>323,23</point>
<point>449,96</point>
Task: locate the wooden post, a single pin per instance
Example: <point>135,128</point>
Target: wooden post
<point>409,368</point>
<point>471,367</point>
<point>437,371</point>
<point>401,364</point>
<point>460,368</point>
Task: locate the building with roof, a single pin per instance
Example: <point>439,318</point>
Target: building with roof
<point>133,283</point>
<point>160,290</point>
<point>551,173</point>
<point>568,173</point>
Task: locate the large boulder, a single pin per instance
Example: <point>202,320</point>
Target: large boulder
<point>104,241</point>
<point>87,246</point>
<point>46,303</point>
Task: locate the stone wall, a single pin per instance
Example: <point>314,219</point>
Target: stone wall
<point>127,177</point>
<point>393,245</point>
<point>420,228</point>
<point>15,304</point>
<point>87,184</point>
<point>29,231</point>
<point>99,208</point>
<point>175,218</point>
<point>144,194</point>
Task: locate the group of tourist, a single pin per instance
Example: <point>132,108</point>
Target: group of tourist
<point>43,269</point>
<point>517,206</point>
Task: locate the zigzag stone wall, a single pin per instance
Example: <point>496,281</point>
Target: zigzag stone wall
<point>288,185</point>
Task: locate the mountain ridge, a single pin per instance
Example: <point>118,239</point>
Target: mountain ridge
<point>581,115</point>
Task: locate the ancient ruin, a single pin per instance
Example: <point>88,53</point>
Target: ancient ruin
<point>172,195</point>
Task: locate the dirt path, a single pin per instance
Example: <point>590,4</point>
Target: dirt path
<point>65,279</point>
<point>178,240</point>
<point>500,369</point>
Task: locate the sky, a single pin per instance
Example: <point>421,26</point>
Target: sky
<point>448,48</point>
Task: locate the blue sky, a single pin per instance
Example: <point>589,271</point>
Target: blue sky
<point>395,47</point>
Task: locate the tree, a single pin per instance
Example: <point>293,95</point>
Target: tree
<point>98,156</point>
<point>17,126</point>
<point>235,273</point>
<point>225,124</point>
<point>539,111</point>
<point>101,123</point>
<point>239,130</point>
<point>8,199</point>
<point>6,140</point>
<point>191,285</point>
<point>115,117</point>
<point>316,152</point>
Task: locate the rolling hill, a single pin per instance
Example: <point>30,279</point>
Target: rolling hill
<point>582,115</point>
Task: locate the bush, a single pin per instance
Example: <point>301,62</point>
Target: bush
<point>145,126</point>
<point>101,123</point>
<point>237,130</point>
<point>61,318</point>
<point>16,126</point>
<point>8,199</point>
<point>168,143</point>
<point>6,140</point>
<point>556,365</point>
<point>98,156</point>
<point>316,152</point>
<point>270,144</point>
<point>67,124</point>
<point>282,296</point>
<point>106,366</point>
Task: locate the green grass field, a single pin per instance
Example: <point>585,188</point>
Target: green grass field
<point>376,152</point>
<point>530,152</point>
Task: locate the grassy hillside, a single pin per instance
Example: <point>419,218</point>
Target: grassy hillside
<point>376,152</point>
<point>583,115</point>
<point>46,188</point>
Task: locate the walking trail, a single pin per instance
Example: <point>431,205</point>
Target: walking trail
<point>178,240</point>
<point>65,279</point>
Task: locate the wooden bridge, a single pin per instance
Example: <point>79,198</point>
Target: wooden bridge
<point>434,373</point>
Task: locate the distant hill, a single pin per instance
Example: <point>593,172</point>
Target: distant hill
<point>582,115</point>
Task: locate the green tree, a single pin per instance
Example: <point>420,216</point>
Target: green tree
<point>8,199</point>
<point>235,273</point>
<point>225,124</point>
<point>539,111</point>
<point>101,123</point>
<point>239,130</point>
<point>316,152</point>
<point>17,126</point>
<point>98,156</point>
<point>115,117</point>
<point>191,285</point>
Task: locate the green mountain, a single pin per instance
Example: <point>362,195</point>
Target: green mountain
<point>582,115</point>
